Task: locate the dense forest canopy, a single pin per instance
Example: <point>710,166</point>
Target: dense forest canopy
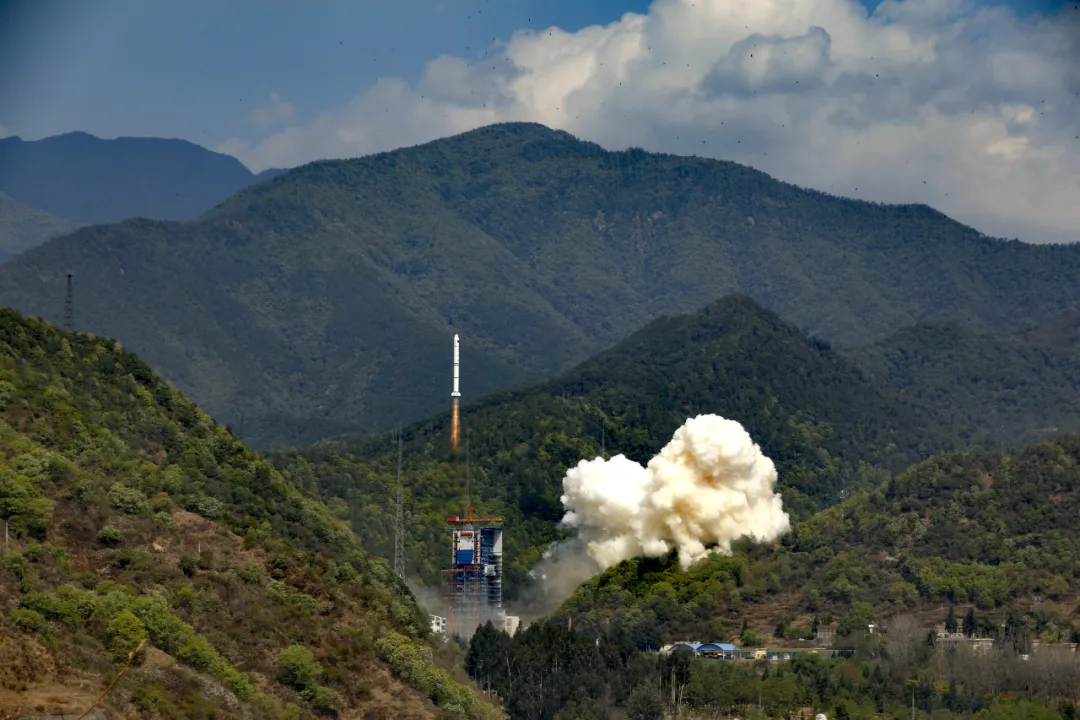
<point>130,516</point>
<point>322,301</point>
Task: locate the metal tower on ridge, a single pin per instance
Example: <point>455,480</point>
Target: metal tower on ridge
<point>399,518</point>
<point>69,305</point>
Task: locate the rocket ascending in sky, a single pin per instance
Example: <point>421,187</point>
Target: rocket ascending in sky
<point>455,422</point>
<point>457,363</point>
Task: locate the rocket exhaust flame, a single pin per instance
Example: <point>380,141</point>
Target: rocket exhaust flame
<point>455,426</point>
<point>455,420</point>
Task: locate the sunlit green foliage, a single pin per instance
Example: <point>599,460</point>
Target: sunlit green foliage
<point>111,479</point>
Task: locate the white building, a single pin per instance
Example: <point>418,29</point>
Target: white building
<point>438,624</point>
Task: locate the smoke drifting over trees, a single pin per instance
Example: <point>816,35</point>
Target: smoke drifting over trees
<point>709,486</point>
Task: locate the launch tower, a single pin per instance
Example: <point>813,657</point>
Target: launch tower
<point>474,580</point>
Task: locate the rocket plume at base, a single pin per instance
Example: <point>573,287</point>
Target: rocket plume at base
<point>455,426</point>
<point>709,486</point>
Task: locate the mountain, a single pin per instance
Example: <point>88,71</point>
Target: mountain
<point>323,300</point>
<point>23,227</point>
<point>989,530</point>
<point>85,179</point>
<point>1061,331</point>
<point>951,589</point>
<point>130,516</point>
<point>828,431</point>
<point>1001,390</point>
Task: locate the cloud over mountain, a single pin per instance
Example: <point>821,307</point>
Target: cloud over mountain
<point>966,107</point>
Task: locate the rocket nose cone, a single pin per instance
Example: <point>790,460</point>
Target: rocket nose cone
<point>456,341</point>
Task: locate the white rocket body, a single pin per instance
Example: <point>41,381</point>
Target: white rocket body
<point>457,363</point>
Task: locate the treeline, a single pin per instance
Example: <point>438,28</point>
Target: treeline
<point>549,670</point>
<point>980,529</point>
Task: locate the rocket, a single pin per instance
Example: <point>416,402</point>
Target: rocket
<point>457,364</point>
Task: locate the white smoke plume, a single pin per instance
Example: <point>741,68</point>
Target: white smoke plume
<point>709,486</point>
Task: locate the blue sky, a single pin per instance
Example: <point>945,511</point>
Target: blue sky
<point>196,68</point>
<point>906,106</point>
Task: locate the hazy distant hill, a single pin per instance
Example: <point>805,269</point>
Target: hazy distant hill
<point>324,300</point>
<point>1001,390</point>
<point>23,227</point>
<point>805,405</point>
<point>82,178</point>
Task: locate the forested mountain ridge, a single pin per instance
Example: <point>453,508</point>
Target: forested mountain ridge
<point>86,179</point>
<point>1000,390</point>
<point>828,431</point>
<point>132,516</point>
<point>23,227</point>
<point>980,546</point>
<point>318,303</point>
<point>984,529</point>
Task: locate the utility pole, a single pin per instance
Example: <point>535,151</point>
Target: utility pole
<point>399,518</point>
<point>69,305</point>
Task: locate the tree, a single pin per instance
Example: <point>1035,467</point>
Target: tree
<point>970,622</point>
<point>123,635</point>
<point>644,703</point>
<point>950,620</point>
<point>297,667</point>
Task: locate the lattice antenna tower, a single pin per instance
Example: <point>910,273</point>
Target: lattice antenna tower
<point>399,517</point>
<point>69,304</point>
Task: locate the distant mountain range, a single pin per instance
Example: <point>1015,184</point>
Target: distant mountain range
<point>323,301</point>
<point>23,227</point>
<point>85,179</point>
<point>1000,390</point>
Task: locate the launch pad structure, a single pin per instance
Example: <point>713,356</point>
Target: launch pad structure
<point>474,578</point>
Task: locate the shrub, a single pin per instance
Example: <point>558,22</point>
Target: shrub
<point>128,500</point>
<point>297,667</point>
<point>188,565</point>
<point>322,699</point>
<point>123,635</point>
<point>108,535</point>
<point>210,508</point>
<point>28,619</point>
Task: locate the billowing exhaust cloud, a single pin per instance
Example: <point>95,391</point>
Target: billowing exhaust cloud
<point>709,486</point>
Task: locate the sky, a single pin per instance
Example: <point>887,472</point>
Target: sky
<point>971,106</point>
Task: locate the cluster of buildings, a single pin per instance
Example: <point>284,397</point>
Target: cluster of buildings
<point>727,651</point>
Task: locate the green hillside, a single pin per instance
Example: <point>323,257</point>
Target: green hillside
<point>828,431</point>
<point>131,516</point>
<point>323,301</point>
<point>989,530</point>
<point>23,227</point>
<point>1007,391</point>
<point>979,544</point>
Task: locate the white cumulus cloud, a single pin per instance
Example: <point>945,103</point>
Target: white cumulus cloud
<point>275,113</point>
<point>965,107</point>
